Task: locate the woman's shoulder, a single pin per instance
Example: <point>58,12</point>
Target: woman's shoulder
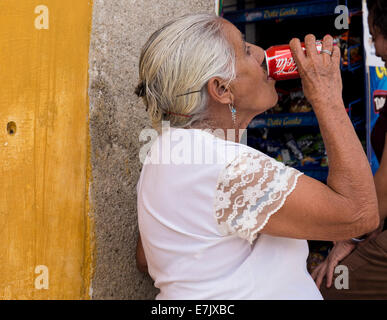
<point>228,147</point>
<point>178,146</point>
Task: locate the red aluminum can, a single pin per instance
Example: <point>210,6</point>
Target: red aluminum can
<point>280,63</point>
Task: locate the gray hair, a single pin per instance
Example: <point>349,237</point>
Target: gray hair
<point>179,58</point>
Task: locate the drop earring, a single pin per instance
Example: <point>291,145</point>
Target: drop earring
<point>233,112</point>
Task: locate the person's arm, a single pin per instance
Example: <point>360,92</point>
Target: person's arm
<point>342,249</point>
<point>347,206</point>
<point>142,265</point>
<point>381,184</point>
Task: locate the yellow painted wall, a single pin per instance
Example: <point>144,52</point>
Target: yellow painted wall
<point>44,164</point>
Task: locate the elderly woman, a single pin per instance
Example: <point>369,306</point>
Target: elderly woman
<point>221,220</point>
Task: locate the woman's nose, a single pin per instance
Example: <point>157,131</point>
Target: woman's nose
<point>258,50</point>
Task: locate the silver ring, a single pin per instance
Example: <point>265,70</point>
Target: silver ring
<point>326,51</point>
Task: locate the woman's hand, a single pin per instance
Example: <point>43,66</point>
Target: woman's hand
<point>320,72</point>
<point>340,250</point>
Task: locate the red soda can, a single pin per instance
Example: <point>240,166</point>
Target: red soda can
<point>280,63</point>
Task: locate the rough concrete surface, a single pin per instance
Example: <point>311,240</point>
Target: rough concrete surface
<point>119,30</point>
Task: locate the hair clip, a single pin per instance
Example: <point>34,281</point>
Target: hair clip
<point>184,94</point>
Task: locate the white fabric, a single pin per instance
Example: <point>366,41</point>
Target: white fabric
<point>200,220</point>
<point>249,190</point>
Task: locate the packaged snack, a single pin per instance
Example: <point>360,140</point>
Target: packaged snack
<point>292,145</point>
<point>283,102</point>
<point>351,43</point>
<point>298,102</point>
<point>308,160</point>
<point>324,160</point>
<point>319,147</point>
<point>305,143</point>
<point>314,260</point>
<point>285,155</point>
<point>288,158</point>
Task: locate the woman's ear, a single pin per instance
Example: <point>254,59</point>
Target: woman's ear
<point>219,91</point>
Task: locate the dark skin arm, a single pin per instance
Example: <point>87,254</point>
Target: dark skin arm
<point>142,265</point>
<point>380,180</point>
<point>347,205</point>
<point>342,249</point>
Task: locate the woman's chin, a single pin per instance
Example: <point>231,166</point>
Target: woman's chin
<point>270,103</point>
<point>275,99</point>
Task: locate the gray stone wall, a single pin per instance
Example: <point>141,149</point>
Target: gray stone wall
<point>119,30</point>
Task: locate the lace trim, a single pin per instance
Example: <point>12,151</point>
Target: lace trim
<point>249,191</point>
<point>281,204</point>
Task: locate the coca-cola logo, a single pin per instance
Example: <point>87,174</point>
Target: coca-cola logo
<point>285,66</point>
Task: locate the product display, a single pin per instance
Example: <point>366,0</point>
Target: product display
<point>350,47</point>
<point>298,102</point>
<point>297,151</point>
<point>291,101</point>
<point>316,256</point>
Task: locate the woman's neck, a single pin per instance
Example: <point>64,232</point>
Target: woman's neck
<point>220,130</point>
<point>221,125</point>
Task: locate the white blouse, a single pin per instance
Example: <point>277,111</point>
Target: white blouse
<point>202,202</point>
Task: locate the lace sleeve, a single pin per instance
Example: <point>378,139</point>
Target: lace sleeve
<point>249,190</point>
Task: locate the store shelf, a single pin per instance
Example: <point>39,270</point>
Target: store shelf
<point>291,120</point>
<point>284,120</point>
<point>351,66</point>
<point>316,172</point>
<point>358,122</point>
<point>355,121</point>
<point>295,10</point>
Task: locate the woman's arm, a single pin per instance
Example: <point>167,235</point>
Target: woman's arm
<point>342,249</point>
<point>347,206</point>
<point>142,265</point>
<point>381,184</point>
